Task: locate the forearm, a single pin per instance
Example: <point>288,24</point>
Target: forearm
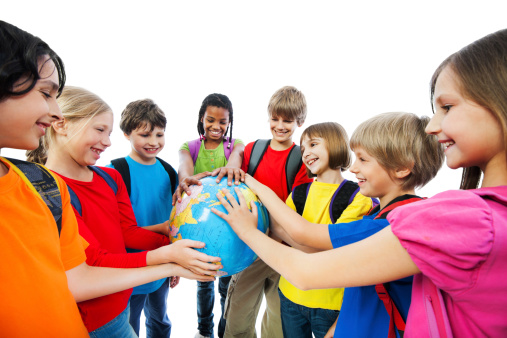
<point>87,282</point>
<point>236,158</point>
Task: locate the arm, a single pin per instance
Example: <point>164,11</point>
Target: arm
<point>186,175</point>
<point>295,226</point>
<point>87,282</point>
<point>377,259</point>
<point>232,169</point>
<point>161,228</point>
<point>330,332</point>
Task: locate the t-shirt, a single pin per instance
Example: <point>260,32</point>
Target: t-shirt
<point>316,210</point>
<point>151,198</point>
<point>108,225</point>
<point>209,159</point>
<point>363,314</point>
<point>458,239</point>
<point>36,301</point>
<point>271,170</point>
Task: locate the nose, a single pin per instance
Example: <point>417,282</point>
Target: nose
<point>55,111</point>
<point>433,126</point>
<point>106,141</point>
<point>306,152</point>
<point>353,168</point>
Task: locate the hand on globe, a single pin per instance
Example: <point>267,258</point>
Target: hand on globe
<point>186,183</point>
<point>235,174</point>
<point>178,270</point>
<point>239,216</point>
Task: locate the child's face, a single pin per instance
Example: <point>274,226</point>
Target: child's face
<point>470,133</point>
<point>146,143</point>
<point>282,129</point>
<point>373,179</point>
<point>315,154</point>
<point>24,119</point>
<point>215,122</point>
<point>86,143</point>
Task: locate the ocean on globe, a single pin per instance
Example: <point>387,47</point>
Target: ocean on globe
<point>193,219</point>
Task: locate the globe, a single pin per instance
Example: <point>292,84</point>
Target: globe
<point>193,219</point>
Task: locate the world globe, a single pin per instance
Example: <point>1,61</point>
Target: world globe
<point>193,219</point>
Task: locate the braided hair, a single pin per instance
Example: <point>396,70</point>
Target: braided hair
<point>220,101</point>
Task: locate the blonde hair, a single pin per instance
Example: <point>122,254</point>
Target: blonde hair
<point>288,102</point>
<point>336,142</point>
<point>76,104</point>
<point>398,141</point>
<point>481,74</point>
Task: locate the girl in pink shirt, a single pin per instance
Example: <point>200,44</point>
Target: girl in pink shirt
<point>455,243</point>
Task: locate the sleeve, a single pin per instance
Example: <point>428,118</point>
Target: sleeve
<point>448,237</point>
<point>290,202</point>
<point>356,210</point>
<point>238,141</point>
<point>110,165</point>
<point>184,146</point>
<point>246,156</point>
<point>301,177</point>
<point>135,237</point>
<point>71,243</point>
<point>342,234</point>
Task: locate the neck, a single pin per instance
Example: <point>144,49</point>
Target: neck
<point>3,169</point>
<point>275,145</point>
<point>384,200</point>
<point>60,161</point>
<point>495,172</point>
<point>211,144</point>
<point>331,176</point>
<point>142,160</point>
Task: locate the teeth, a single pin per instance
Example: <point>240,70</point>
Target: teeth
<point>97,151</point>
<point>448,144</point>
<point>311,161</point>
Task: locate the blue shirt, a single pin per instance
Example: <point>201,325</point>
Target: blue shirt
<point>363,314</point>
<point>151,198</point>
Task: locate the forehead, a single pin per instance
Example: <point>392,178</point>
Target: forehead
<point>447,83</point>
<point>146,127</point>
<point>217,112</point>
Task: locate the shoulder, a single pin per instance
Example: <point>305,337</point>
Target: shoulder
<point>238,141</point>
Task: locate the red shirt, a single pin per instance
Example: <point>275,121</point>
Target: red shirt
<point>108,224</point>
<point>271,170</point>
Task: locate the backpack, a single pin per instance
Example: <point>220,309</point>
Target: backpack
<point>292,165</point>
<point>122,166</point>
<point>193,148</point>
<point>343,196</point>
<point>74,200</point>
<point>41,181</point>
<point>396,320</point>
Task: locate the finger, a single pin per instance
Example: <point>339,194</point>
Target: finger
<point>253,205</point>
<point>218,172</point>
<point>242,174</point>
<point>220,214</point>
<point>192,244</point>
<point>224,203</point>
<point>241,198</point>
<point>230,177</point>
<point>237,176</point>
<point>230,197</point>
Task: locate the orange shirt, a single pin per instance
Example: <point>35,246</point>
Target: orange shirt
<point>35,298</point>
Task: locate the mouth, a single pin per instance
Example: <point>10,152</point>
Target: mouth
<point>151,150</point>
<point>280,132</point>
<point>97,151</point>
<point>447,144</point>
<point>312,161</point>
<point>360,181</point>
<point>42,126</point>
<point>215,133</point>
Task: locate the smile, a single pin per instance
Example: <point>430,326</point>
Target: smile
<point>312,161</point>
<point>97,151</point>
<point>447,144</point>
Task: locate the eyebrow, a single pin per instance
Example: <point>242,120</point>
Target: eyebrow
<point>52,84</point>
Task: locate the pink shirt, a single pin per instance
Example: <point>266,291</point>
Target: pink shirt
<point>458,239</point>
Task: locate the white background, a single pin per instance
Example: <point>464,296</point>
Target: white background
<point>351,60</point>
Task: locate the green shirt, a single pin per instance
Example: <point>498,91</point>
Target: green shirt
<point>209,159</point>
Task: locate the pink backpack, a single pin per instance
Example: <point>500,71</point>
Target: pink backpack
<point>436,313</point>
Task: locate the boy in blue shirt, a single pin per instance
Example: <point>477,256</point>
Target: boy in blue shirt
<point>150,182</point>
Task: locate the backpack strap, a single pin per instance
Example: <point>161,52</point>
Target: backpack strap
<point>342,198</point>
<point>193,148</point>
<point>74,199</point>
<point>258,150</point>
<point>396,321</point>
<point>173,176</point>
<point>43,183</point>
<point>122,166</point>
<point>299,196</point>
<point>228,148</point>
<point>293,165</point>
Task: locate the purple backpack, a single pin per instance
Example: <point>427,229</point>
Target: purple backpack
<point>193,147</point>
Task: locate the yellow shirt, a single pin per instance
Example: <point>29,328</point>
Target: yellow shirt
<point>316,210</point>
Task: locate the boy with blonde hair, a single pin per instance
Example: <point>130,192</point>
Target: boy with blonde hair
<point>276,163</point>
<point>394,156</point>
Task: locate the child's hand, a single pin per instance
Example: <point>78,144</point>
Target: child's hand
<point>184,254</point>
<point>239,216</point>
<point>232,173</point>
<point>186,183</point>
<point>252,183</point>
<point>185,273</point>
<point>175,280</point>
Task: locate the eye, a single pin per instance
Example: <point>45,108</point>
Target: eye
<point>100,129</point>
<point>47,95</point>
<point>287,121</point>
<point>362,159</point>
<point>446,107</point>
<point>145,135</point>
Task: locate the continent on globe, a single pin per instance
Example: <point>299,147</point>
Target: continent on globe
<point>193,219</point>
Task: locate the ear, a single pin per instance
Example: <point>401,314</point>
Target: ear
<point>300,124</point>
<point>127,136</point>
<point>60,127</point>
<point>402,173</point>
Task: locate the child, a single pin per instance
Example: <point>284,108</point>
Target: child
<point>455,242</point>
<point>215,152</point>
<point>149,183</point>
<point>105,217</point>
<point>385,146</point>
<point>279,166</point>
<point>47,272</point>
<point>328,199</point>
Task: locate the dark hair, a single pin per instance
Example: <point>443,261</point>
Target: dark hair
<point>142,113</point>
<point>215,100</point>
<point>20,53</point>
<point>481,74</point>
